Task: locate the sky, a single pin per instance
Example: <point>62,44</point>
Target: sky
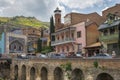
<point>43,9</point>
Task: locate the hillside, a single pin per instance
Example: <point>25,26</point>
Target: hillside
<point>21,21</point>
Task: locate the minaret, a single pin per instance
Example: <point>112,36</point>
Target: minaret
<point>57,15</point>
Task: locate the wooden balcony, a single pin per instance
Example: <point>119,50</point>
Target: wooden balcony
<point>110,37</point>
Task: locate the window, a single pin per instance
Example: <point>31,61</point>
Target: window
<point>67,48</point>
<point>58,20</point>
<point>58,50</point>
<point>79,34</point>
<point>72,35</point>
<point>57,38</point>
<point>20,48</point>
<point>14,47</point>
<point>115,45</point>
<point>79,47</point>
<point>62,37</point>
<point>105,32</point>
<point>112,30</point>
<point>62,49</point>
<point>33,31</point>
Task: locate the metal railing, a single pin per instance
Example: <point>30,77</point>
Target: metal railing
<point>66,40</point>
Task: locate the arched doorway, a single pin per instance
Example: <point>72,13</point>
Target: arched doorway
<point>32,73</point>
<point>44,74</point>
<point>77,74</point>
<point>16,46</point>
<point>23,73</point>
<point>104,76</point>
<point>58,74</point>
<point>16,72</point>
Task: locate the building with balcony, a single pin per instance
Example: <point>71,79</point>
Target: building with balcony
<point>109,33</point>
<point>77,32</point>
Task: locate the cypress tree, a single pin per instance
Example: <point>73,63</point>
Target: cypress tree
<point>52,30</point>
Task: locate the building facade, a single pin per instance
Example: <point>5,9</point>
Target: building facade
<point>114,10</point>
<point>45,37</point>
<point>110,33</point>
<point>33,35</point>
<point>75,34</point>
<point>13,43</point>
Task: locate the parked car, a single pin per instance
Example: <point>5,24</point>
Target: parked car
<point>75,55</point>
<point>22,56</point>
<point>31,56</point>
<point>42,56</point>
<point>57,56</point>
<point>79,54</point>
<point>101,56</point>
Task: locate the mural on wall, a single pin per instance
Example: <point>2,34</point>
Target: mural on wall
<point>16,44</point>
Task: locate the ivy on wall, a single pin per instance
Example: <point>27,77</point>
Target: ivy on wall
<point>95,63</point>
<point>67,68</point>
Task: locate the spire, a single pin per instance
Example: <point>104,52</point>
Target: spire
<point>57,10</point>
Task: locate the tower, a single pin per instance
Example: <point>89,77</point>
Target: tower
<point>57,15</point>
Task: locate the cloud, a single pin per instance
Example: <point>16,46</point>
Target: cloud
<point>81,4</point>
<point>105,8</point>
<point>42,9</point>
<point>75,11</point>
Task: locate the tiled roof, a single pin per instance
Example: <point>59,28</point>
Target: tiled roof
<point>106,25</point>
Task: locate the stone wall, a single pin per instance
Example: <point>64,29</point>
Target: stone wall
<point>85,67</point>
<point>4,70</point>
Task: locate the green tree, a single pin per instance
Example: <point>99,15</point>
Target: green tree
<point>67,68</point>
<point>52,30</point>
<point>39,45</point>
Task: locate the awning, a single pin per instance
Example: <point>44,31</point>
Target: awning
<point>98,44</point>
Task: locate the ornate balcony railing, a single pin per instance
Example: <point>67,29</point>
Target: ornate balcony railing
<point>111,37</point>
<point>64,41</point>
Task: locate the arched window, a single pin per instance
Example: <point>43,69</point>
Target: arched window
<point>15,47</point>
<point>67,48</point>
<point>58,20</point>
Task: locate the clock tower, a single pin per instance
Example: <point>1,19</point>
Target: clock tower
<point>57,15</point>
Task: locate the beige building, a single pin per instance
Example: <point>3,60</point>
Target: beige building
<point>32,35</point>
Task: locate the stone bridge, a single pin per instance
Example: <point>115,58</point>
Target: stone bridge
<point>78,69</point>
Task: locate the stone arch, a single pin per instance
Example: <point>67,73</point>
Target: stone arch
<point>77,74</point>
<point>104,76</point>
<point>23,73</point>
<point>58,74</point>
<point>44,73</point>
<point>16,72</point>
<point>32,73</point>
